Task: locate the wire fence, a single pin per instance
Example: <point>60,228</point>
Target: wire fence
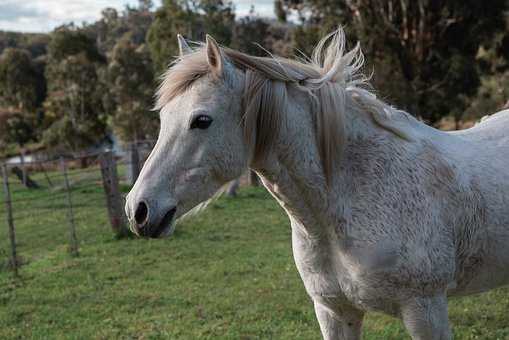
<point>64,201</point>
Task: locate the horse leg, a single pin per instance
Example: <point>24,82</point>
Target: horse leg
<point>340,323</point>
<point>426,318</point>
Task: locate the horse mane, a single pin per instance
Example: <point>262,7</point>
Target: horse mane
<point>328,77</point>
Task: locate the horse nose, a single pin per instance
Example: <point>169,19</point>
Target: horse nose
<point>141,215</point>
<point>153,223</point>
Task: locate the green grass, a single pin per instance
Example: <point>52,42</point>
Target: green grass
<point>227,273</point>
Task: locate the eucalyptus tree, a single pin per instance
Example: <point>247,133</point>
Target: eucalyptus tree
<point>429,47</point>
<point>131,85</point>
<point>74,113</point>
<point>21,92</point>
<point>192,19</point>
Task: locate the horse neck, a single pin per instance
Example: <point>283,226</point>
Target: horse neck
<point>293,172</point>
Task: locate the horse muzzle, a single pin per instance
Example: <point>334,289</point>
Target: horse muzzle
<point>149,224</point>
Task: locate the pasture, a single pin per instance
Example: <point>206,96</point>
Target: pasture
<point>227,273</point>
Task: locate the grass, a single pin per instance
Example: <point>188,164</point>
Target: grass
<point>227,273</point>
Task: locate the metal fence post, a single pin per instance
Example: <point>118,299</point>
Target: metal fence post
<point>10,221</point>
<point>73,248</point>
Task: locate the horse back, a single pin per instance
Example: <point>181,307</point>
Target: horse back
<point>481,156</point>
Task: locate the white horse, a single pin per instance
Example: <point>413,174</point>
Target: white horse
<point>387,214</point>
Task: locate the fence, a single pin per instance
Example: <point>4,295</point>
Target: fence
<point>65,201</point>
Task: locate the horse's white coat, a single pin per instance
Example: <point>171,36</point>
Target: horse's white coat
<point>402,224</point>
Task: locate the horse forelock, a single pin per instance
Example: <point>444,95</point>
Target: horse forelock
<point>327,78</point>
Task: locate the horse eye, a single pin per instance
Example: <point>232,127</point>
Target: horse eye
<point>201,122</point>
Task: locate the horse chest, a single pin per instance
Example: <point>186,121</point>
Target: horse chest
<point>346,274</point>
<point>327,275</point>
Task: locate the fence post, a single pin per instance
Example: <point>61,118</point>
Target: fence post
<point>23,167</point>
<point>73,241</point>
<point>113,198</point>
<point>135,163</point>
<point>253,178</point>
<point>10,222</point>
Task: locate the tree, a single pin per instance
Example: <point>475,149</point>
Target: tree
<point>493,94</point>
<point>191,19</point>
<point>218,19</point>
<point>172,18</point>
<point>3,131</point>
<point>431,44</point>
<point>249,33</point>
<point>68,40</point>
<point>15,129</point>
<point>20,129</point>
<point>74,114</point>
<point>131,85</point>
<point>18,80</point>
<point>21,93</point>
<point>113,25</point>
<point>280,11</point>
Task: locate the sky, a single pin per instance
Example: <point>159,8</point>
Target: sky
<point>44,15</point>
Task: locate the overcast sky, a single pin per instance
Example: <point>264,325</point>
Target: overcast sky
<point>44,15</point>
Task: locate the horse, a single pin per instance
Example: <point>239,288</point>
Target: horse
<point>387,213</point>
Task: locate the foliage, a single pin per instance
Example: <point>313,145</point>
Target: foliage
<point>20,85</point>
<point>74,113</point>
<point>432,45</point>
<point>218,19</point>
<point>250,34</point>
<point>431,58</point>
<point>113,26</point>
<point>4,115</point>
<point>22,88</point>
<point>491,96</point>
<point>19,129</point>
<point>69,40</point>
<point>192,20</point>
<point>260,36</point>
<point>279,10</point>
<point>131,86</point>
<point>35,43</point>
<point>493,93</point>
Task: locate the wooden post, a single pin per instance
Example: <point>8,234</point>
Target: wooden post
<point>134,162</point>
<point>10,222</point>
<point>113,199</point>
<point>253,178</point>
<point>47,177</point>
<point>73,241</point>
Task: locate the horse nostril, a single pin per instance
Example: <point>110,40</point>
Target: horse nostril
<point>141,214</point>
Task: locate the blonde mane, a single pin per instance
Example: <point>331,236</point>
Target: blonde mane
<point>327,78</point>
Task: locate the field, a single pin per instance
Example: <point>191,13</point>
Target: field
<point>227,273</point>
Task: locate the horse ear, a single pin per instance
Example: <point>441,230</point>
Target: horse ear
<point>183,46</point>
<point>214,56</point>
